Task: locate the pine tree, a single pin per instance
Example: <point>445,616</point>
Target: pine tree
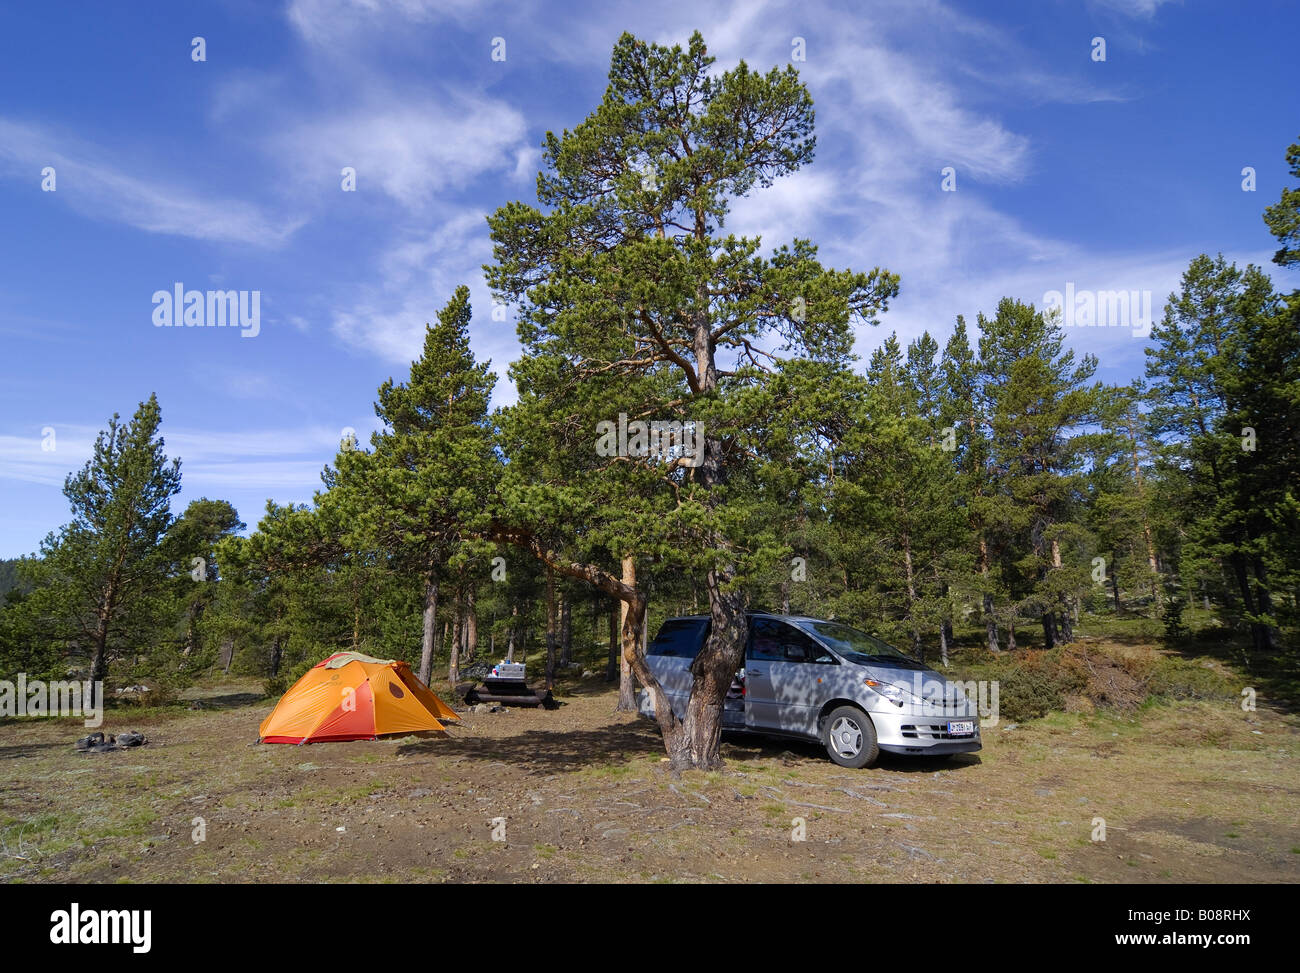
<point>1040,404</point>
<point>1283,217</point>
<point>190,547</point>
<point>624,282</point>
<point>965,414</point>
<point>104,575</point>
<point>420,494</point>
<point>1204,366</point>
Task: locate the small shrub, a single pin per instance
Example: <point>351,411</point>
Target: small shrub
<point>1175,630</point>
<point>1175,678</point>
<point>1036,686</point>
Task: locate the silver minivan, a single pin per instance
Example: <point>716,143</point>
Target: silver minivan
<point>823,680</point>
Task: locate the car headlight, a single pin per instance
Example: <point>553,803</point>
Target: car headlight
<point>895,694</point>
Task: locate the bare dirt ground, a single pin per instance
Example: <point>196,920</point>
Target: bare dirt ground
<point>1190,792</point>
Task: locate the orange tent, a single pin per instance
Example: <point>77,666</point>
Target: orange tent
<point>351,696</point>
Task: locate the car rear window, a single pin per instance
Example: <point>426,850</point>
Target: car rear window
<point>680,638</point>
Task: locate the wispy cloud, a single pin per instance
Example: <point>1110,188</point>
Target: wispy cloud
<point>1133,8</point>
<point>902,90</point>
<point>333,24</point>
<point>411,148</point>
<point>417,275</point>
<point>256,459</point>
<point>99,188</point>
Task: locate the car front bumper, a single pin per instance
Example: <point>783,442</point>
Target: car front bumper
<point>909,733</point>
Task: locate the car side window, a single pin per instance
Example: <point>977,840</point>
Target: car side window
<point>680,638</point>
<point>765,641</point>
<point>774,641</point>
<point>818,653</point>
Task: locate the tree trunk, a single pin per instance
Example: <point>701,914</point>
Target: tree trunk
<point>1114,579</point>
<point>1258,637</point>
<point>945,623</point>
<point>471,625</point>
<point>453,661</point>
<point>193,615</point>
<point>713,670</point>
<point>514,630</point>
<point>1264,599</point>
<point>1157,591</point>
<point>715,666</point>
<point>430,616</point>
<point>990,620</point>
<point>613,666</point>
<point>626,684</point>
<point>1063,630</point>
<point>918,650</point>
<point>566,630</point>
<point>99,663</point>
<point>552,633</point>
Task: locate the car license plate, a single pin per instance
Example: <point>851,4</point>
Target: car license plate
<point>962,728</point>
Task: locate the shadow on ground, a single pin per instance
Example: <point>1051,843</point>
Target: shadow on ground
<point>234,701</point>
<point>549,751</point>
<point>741,748</point>
<point>561,750</point>
<point>31,749</point>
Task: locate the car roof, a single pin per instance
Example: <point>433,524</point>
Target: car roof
<point>754,614</point>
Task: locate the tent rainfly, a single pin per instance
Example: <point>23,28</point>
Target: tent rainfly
<point>351,696</point>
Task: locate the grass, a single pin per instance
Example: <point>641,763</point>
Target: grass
<point>1217,800</point>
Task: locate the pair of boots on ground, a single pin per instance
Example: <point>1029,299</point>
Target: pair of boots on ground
<point>96,743</point>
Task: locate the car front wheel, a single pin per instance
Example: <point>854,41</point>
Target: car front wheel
<point>850,738</point>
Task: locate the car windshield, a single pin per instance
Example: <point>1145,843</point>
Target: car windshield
<point>859,647</point>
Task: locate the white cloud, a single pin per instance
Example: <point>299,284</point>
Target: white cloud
<point>102,190</point>
<point>902,89</point>
<point>22,456</point>
<point>418,274</point>
<point>1132,8</point>
<point>251,459</point>
<point>411,149</point>
<point>329,24</point>
<point>298,476</point>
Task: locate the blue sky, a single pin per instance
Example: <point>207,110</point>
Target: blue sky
<point>225,174</point>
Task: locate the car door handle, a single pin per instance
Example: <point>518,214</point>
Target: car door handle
<point>753,672</point>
